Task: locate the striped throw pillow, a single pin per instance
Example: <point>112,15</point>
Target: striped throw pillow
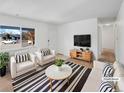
<point>22,58</point>
<point>42,52</point>
<point>45,52</point>
<point>106,87</point>
<point>108,71</point>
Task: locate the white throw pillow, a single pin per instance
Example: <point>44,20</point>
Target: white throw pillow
<point>120,84</point>
<point>119,72</point>
<point>119,69</point>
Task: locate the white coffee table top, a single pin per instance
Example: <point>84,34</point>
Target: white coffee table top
<point>52,72</point>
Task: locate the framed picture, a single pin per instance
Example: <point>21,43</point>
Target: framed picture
<point>28,37</point>
<point>10,37</point>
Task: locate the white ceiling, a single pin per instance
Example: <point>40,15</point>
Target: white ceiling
<point>60,11</point>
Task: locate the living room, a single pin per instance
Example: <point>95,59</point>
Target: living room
<point>54,31</point>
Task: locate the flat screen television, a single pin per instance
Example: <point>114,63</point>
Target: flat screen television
<point>82,40</point>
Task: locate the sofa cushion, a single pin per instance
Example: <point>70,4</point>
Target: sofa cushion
<point>22,57</point>
<point>24,66</point>
<point>45,58</point>
<point>106,87</point>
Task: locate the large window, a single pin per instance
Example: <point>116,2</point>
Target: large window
<point>16,37</point>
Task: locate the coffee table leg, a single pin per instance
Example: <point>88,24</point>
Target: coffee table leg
<point>68,80</point>
<point>50,84</point>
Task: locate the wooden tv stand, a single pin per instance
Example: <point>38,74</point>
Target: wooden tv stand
<point>83,55</point>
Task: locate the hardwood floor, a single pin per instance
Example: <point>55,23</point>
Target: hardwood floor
<point>107,55</point>
<point>6,85</point>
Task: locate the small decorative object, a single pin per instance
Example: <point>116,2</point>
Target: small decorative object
<point>4,59</point>
<point>81,49</point>
<point>87,49</point>
<point>59,63</point>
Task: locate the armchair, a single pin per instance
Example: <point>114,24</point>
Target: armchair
<point>45,56</point>
<point>22,63</point>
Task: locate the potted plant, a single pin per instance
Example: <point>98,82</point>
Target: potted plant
<point>59,63</point>
<point>4,59</point>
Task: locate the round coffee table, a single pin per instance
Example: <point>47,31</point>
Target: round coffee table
<point>53,73</point>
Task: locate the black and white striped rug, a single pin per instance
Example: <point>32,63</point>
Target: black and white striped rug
<point>37,80</point>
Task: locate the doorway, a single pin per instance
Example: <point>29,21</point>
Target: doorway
<point>107,42</point>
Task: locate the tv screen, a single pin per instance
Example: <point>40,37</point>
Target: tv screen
<point>82,40</point>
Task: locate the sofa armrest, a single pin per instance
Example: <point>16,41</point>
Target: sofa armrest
<point>13,67</point>
<point>53,52</point>
<point>39,56</point>
<point>33,59</point>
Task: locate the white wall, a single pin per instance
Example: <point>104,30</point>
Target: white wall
<point>52,37</point>
<point>120,22</point>
<point>99,40</point>
<point>108,37</point>
<point>66,32</point>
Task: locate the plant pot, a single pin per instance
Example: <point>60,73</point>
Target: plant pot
<point>3,71</point>
<point>60,68</point>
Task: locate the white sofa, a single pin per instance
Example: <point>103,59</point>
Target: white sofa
<point>95,78</point>
<point>22,67</point>
<point>41,59</point>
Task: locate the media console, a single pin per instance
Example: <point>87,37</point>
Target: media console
<point>85,55</point>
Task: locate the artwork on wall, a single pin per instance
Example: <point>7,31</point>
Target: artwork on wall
<point>14,37</point>
<point>28,37</point>
<point>9,36</point>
